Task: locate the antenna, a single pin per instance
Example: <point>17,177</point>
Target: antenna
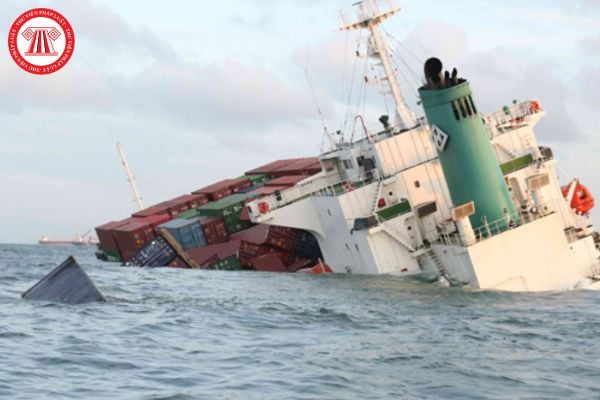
<point>370,18</point>
<point>319,111</point>
<point>130,177</point>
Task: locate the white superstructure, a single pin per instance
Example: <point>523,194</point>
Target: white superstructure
<point>382,204</point>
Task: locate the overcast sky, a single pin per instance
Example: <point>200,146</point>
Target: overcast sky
<point>199,91</point>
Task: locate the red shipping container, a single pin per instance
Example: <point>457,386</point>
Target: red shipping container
<point>154,210</point>
<point>287,181</point>
<point>282,237</point>
<point>195,200</point>
<point>270,167</point>
<point>106,237</point>
<point>239,184</point>
<point>178,263</point>
<point>177,208</point>
<point>133,236</point>
<point>156,220</point>
<point>215,230</point>
<point>207,255</point>
<point>255,235</point>
<point>269,263</point>
<point>298,167</point>
<point>249,251</point>
<point>127,255</point>
<point>217,190</point>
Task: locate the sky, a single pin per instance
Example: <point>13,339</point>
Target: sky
<point>198,91</point>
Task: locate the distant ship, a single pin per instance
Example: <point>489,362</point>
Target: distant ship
<point>81,240</point>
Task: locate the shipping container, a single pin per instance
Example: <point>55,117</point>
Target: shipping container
<point>302,166</point>
<point>270,262</point>
<point>288,180</point>
<point>306,245</point>
<point>156,209</point>
<point>228,264</point>
<point>204,256</point>
<point>189,214</point>
<point>252,188</point>
<point>267,169</point>
<point>282,237</point>
<point>157,253</point>
<point>106,237</point>
<point>215,230</point>
<point>249,251</point>
<point>178,263</point>
<point>188,233</point>
<point>258,179</point>
<point>255,235</point>
<point>192,200</point>
<point>239,184</point>
<point>216,191</point>
<point>229,209</point>
<point>134,235</point>
<point>176,208</point>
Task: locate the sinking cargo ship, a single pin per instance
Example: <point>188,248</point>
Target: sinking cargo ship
<point>457,195</point>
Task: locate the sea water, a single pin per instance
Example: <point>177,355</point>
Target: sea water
<point>183,334</point>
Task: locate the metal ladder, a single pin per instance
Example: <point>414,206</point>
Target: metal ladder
<point>392,233</point>
<point>376,198</point>
<point>505,150</point>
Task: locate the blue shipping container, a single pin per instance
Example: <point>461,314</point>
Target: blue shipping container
<point>188,233</point>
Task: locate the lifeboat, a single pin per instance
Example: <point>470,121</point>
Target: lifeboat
<point>582,200</point>
<point>320,268</point>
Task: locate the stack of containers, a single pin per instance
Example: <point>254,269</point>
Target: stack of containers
<point>301,166</point>
<point>224,188</point>
<point>216,191</point>
<point>134,235</point>
<point>286,180</point>
<point>282,237</point>
<point>106,237</point>
<point>229,209</point>
<point>268,169</point>
<point>306,246</point>
<point>208,255</point>
<point>258,178</point>
<point>157,209</point>
<point>157,253</point>
<point>188,233</point>
<point>215,230</point>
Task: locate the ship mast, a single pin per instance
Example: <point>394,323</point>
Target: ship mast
<point>130,177</point>
<point>370,18</point>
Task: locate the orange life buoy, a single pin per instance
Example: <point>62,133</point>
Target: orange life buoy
<point>582,201</point>
<point>263,207</point>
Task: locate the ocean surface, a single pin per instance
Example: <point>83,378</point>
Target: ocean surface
<point>177,334</point>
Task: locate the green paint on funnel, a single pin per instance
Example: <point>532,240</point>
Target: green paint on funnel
<point>468,160</point>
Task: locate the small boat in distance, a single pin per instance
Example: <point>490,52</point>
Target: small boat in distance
<point>80,240</point>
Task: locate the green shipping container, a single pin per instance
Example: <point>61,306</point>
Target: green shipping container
<point>257,179</point>
<point>189,214</point>
<point>112,256</point>
<point>229,209</point>
<point>228,264</point>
